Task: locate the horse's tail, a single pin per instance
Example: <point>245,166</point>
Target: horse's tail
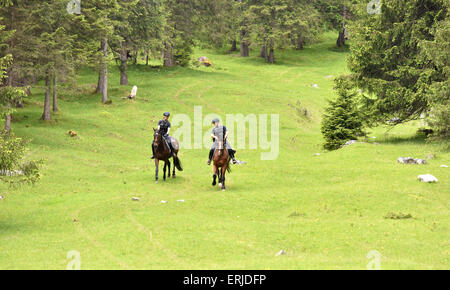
<point>229,167</point>
<point>177,163</point>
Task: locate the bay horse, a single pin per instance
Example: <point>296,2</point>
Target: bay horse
<point>162,152</point>
<point>221,164</point>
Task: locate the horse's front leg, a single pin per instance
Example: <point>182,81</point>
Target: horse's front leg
<point>156,170</point>
<point>214,176</point>
<point>169,169</point>
<point>220,176</point>
<point>174,167</point>
<point>165,168</point>
<point>224,170</point>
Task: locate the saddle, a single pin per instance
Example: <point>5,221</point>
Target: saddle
<point>172,143</point>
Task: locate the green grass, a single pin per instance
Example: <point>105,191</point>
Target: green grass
<point>325,211</point>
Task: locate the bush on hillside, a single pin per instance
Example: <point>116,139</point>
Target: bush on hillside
<point>13,167</point>
<point>341,121</point>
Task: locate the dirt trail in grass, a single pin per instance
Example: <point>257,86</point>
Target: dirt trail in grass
<point>180,91</point>
<point>143,229</point>
<point>94,242</point>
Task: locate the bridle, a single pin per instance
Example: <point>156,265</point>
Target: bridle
<point>156,137</point>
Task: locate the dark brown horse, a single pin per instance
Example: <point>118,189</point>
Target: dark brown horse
<point>162,152</point>
<point>221,164</point>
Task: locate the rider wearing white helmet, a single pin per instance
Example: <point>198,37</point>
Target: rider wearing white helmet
<point>220,133</point>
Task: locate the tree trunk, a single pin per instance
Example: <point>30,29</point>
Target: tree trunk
<point>100,83</point>
<point>103,77</point>
<point>55,94</point>
<point>135,57</point>
<point>27,87</point>
<point>146,57</point>
<point>263,52</point>
<point>105,85</point>
<point>123,65</point>
<point>47,104</point>
<point>341,38</point>
<point>271,57</point>
<point>244,44</point>
<point>168,55</point>
<point>104,50</point>
<point>8,120</point>
<point>299,43</point>
<point>233,45</point>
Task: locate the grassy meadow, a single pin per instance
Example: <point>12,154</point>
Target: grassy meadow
<point>325,211</point>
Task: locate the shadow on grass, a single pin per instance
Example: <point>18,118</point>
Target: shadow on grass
<point>344,49</point>
<point>416,139</point>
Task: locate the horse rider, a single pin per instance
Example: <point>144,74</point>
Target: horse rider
<point>220,133</point>
<point>164,130</point>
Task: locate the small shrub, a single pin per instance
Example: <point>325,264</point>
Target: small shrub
<point>342,121</point>
<point>182,52</point>
<point>12,151</point>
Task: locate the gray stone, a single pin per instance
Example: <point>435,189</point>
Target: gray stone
<point>348,143</point>
<point>444,166</point>
<point>429,156</point>
<point>133,93</point>
<point>11,172</point>
<point>203,60</point>
<point>135,198</point>
<point>394,121</point>
<point>280,253</point>
<point>410,160</point>
<point>427,178</point>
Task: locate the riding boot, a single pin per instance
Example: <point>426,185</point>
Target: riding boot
<point>231,153</point>
<point>153,151</point>
<point>211,154</point>
<point>172,151</point>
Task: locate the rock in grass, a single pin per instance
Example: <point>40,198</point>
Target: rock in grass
<point>135,198</point>
<point>180,200</point>
<point>410,160</point>
<point>398,216</point>
<point>72,133</point>
<point>11,172</point>
<point>444,166</point>
<point>296,214</point>
<point>203,60</point>
<point>163,201</point>
<point>315,86</point>
<point>133,93</point>
<point>351,142</point>
<point>394,121</point>
<point>427,178</point>
<point>280,253</point>
<point>1,196</point>
<point>430,156</point>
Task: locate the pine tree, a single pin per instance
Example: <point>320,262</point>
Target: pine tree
<point>401,59</point>
<point>341,121</point>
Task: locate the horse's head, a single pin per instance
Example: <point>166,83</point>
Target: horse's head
<point>156,137</point>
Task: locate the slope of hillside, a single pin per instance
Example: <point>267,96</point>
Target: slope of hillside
<point>324,211</point>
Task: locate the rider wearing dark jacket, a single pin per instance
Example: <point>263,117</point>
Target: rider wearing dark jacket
<point>164,130</point>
